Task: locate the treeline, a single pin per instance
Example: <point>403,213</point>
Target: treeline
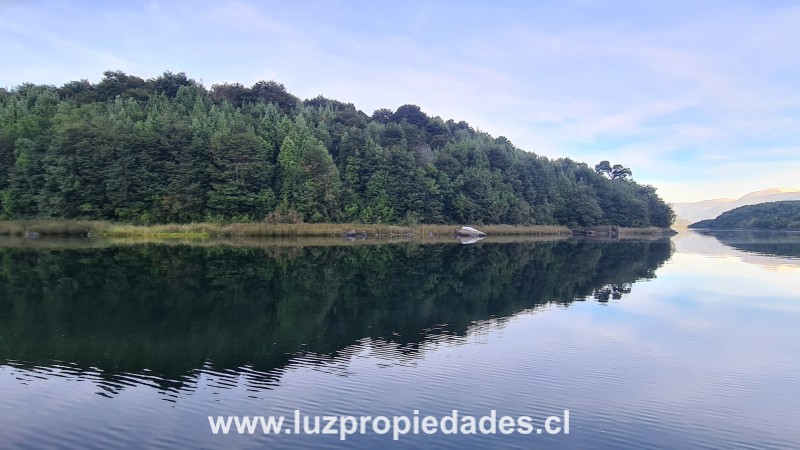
<point>168,149</point>
<point>763,216</point>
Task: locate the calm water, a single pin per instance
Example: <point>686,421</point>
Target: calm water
<point>688,343</point>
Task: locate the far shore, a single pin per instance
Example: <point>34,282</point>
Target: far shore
<point>82,228</point>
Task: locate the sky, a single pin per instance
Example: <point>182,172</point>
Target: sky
<point>699,98</point>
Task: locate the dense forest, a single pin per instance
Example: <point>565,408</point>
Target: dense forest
<point>168,149</point>
<point>763,216</point>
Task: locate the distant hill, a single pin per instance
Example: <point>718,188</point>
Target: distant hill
<point>763,216</point>
<point>690,212</point>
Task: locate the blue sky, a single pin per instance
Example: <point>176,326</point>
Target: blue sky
<point>699,98</point>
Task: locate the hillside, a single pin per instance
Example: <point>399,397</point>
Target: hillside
<point>690,212</point>
<point>763,216</point>
<point>168,149</point>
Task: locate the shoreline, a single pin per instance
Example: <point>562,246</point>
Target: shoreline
<point>100,229</point>
<point>85,228</point>
<point>278,242</point>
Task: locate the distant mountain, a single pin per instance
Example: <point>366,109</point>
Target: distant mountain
<point>762,216</point>
<point>691,212</point>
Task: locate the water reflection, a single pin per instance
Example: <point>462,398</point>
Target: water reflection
<point>772,250</point>
<point>772,243</point>
<point>161,315</point>
<point>470,239</point>
<point>109,346</point>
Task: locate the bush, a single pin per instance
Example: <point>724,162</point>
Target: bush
<point>290,216</point>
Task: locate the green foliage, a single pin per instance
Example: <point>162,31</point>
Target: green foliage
<point>615,172</point>
<point>169,150</point>
<point>763,216</point>
<point>309,178</point>
<point>241,175</point>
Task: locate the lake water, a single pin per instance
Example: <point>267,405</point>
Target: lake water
<point>692,342</point>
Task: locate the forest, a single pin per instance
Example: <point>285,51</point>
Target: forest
<point>170,150</point>
<point>763,216</point>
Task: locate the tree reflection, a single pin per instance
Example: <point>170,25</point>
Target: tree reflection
<point>772,243</point>
<point>168,311</point>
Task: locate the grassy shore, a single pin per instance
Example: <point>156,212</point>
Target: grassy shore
<point>50,227</point>
<point>258,229</point>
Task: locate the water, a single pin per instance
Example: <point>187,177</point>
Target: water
<point>689,343</point>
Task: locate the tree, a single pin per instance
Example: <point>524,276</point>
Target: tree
<point>615,172</point>
<point>81,92</point>
<point>169,83</point>
<point>117,83</point>
<point>274,92</point>
<point>603,168</point>
<point>411,114</point>
<point>309,179</point>
<point>382,116</point>
<point>241,176</point>
<point>620,173</point>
